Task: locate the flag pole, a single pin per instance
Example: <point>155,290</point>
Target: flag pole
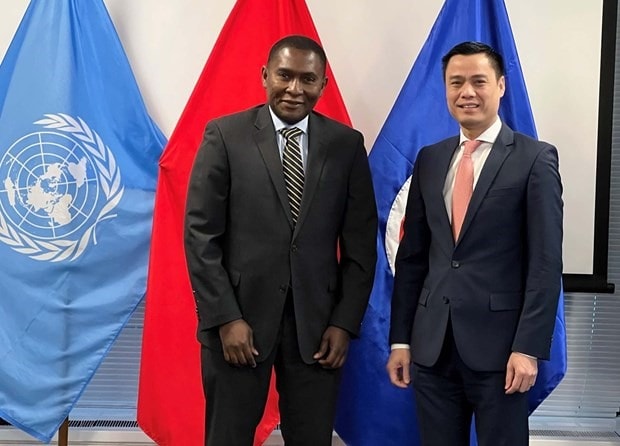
<point>63,433</point>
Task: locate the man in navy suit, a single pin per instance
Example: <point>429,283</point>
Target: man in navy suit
<point>270,288</point>
<point>475,296</point>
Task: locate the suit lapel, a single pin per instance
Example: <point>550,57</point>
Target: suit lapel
<point>265,137</point>
<point>500,150</point>
<point>317,154</point>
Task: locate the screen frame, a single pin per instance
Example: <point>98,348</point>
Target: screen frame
<point>597,282</point>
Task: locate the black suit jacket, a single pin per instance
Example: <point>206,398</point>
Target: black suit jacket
<point>500,282</point>
<point>243,251</point>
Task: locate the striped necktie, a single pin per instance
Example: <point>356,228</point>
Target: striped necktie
<point>293,169</point>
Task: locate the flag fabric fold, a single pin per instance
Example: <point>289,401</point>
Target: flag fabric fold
<point>170,398</point>
<point>78,170</point>
<point>371,410</point>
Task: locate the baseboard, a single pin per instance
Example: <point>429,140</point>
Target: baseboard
<point>135,437</point>
<point>80,437</point>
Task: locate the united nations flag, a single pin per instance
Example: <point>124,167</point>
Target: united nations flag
<point>78,168</point>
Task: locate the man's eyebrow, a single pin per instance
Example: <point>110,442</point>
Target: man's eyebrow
<point>301,73</point>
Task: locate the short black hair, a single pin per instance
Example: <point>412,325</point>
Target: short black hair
<point>300,43</point>
<point>470,48</point>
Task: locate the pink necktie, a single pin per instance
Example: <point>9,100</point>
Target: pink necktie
<point>463,187</point>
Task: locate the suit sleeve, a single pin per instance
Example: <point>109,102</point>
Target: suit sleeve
<point>544,256</point>
<point>205,231</point>
<point>411,262</point>
<point>357,242</point>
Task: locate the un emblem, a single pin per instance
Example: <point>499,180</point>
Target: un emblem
<point>56,185</point>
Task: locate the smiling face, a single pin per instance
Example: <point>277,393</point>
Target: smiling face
<point>294,80</point>
<point>473,92</point>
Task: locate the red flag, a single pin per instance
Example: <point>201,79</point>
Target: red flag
<point>170,399</point>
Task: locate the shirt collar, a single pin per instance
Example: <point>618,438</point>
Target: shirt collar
<point>489,135</point>
<point>279,124</point>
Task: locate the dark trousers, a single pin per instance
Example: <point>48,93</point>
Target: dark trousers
<point>449,393</point>
<point>236,396</point>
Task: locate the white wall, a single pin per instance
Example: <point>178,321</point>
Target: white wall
<point>371,45</point>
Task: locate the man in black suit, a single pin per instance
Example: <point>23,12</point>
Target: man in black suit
<point>475,293</point>
<point>279,282</point>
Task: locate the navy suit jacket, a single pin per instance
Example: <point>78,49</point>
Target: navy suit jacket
<point>499,283</point>
<point>243,251</point>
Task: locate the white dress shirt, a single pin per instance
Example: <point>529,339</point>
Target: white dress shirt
<point>478,158</point>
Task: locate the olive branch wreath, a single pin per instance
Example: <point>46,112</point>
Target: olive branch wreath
<point>109,176</point>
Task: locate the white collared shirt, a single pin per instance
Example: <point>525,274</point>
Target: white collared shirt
<point>303,139</point>
<point>478,158</point>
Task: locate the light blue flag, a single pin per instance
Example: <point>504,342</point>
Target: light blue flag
<point>371,410</point>
<point>78,167</point>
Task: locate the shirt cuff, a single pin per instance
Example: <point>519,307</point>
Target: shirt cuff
<point>396,346</point>
<point>527,356</point>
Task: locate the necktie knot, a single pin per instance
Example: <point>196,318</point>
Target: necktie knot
<point>470,146</point>
<point>291,132</point>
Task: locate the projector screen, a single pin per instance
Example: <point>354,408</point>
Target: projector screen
<point>567,52</point>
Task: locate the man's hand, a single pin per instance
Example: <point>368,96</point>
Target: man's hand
<point>238,343</point>
<point>333,349</point>
<point>398,367</point>
<point>521,373</point>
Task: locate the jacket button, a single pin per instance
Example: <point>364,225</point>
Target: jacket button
<point>455,264</point>
<point>294,248</point>
<point>446,300</point>
<point>282,289</point>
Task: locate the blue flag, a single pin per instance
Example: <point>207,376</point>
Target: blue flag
<point>78,168</point>
<point>371,410</point>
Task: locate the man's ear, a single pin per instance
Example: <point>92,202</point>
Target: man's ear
<point>263,75</point>
<point>502,85</point>
<point>325,79</point>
